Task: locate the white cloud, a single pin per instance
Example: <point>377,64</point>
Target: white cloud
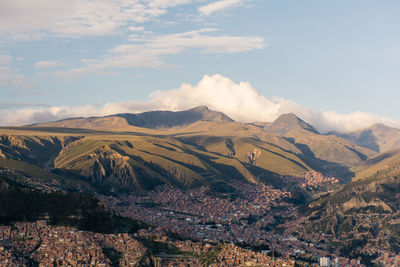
<point>243,103</point>
<point>219,6</point>
<point>167,3</point>
<point>240,101</point>
<point>48,64</point>
<point>74,18</point>
<point>135,29</point>
<point>148,51</point>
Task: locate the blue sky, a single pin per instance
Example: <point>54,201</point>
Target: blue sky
<point>65,58</point>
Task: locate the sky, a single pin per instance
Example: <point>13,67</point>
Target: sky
<point>335,64</point>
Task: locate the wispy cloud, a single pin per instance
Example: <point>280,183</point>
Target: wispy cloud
<point>48,64</point>
<point>80,72</point>
<point>76,18</point>
<point>240,101</point>
<point>136,28</point>
<point>149,50</point>
<point>219,6</point>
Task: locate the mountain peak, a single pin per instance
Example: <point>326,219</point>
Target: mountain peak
<point>378,126</point>
<point>288,117</point>
<point>288,122</point>
<point>200,108</point>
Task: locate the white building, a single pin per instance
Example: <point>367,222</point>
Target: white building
<point>336,262</point>
<point>324,262</point>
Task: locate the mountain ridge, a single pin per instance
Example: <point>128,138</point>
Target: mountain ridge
<point>212,142</point>
<point>378,137</point>
<point>328,148</point>
<point>159,119</point>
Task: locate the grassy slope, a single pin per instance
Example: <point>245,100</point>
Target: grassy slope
<point>387,163</point>
<point>185,156</point>
<point>332,149</point>
<point>177,156</point>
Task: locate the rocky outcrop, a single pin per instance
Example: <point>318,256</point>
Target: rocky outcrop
<point>110,167</point>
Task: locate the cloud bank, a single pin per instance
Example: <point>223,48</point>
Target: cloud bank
<point>240,101</point>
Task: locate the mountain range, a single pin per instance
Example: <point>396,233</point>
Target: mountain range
<point>188,148</point>
<point>134,153</point>
<point>185,148</point>
<point>151,119</point>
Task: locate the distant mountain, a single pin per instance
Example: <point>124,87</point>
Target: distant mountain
<point>377,137</point>
<point>151,119</point>
<point>329,152</point>
<point>289,122</point>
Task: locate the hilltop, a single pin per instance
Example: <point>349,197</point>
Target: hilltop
<point>287,123</point>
